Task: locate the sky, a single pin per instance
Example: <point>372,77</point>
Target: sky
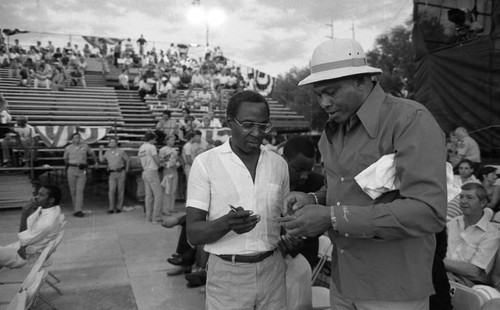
<point>272,36</point>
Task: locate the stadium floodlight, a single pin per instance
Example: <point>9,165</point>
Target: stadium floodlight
<point>214,17</point>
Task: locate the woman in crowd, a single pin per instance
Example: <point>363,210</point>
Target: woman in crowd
<point>170,158</point>
<point>465,173</point>
<point>58,79</point>
<point>487,176</point>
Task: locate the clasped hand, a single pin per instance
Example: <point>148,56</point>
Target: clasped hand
<point>303,217</point>
<point>241,221</point>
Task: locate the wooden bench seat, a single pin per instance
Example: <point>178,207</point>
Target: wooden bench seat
<point>80,122</point>
<point>48,103</point>
<point>66,112</point>
<point>17,107</point>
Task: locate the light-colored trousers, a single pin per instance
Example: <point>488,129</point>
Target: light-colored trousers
<point>259,286</point>
<point>153,192</point>
<point>339,302</point>
<point>168,202</point>
<point>116,192</point>
<point>9,257</point>
<point>76,181</point>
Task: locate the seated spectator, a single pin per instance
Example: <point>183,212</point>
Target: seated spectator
<point>185,78</point>
<point>128,61</point>
<point>86,51</point>
<point>129,47</point>
<point>163,88</point>
<point>145,88</point>
<point>27,73</point>
<point>191,98</point>
<point>173,98</point>
<point>487,175</point>
<point>123,80</point>
<point>267,143</point>
<point>175,79</point>
<point>58,79</point>
<point>77,76</point>
<point>166,126</point>
<point>472,239</point>
<point>466,173</point>
<point>43,74</point>
<point>40,224</point>
<point>467,148</point>
<point>23,136</point>
<point>205,97</point>
<point>82,64</point>
<point>232,81</point>
<point>57,56</point>
<point>4,59</point>
<point>197,80</point>
<point>68,49</point>
<point>14,68</point>
<point>214,122</point>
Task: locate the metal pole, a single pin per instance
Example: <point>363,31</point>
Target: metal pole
<point>206,23</point>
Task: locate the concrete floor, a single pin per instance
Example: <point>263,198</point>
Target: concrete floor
<point>112,261</point>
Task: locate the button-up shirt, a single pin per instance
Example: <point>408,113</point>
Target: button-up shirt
<point>218,178</point>
<point>384,249</point>
<point>146,153</point>
<point>476,244</point>
<point>116,158</point>
<point>77,154</point>
<point>42,227</point>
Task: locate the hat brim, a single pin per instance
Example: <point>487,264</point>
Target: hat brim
<point>338,73</point>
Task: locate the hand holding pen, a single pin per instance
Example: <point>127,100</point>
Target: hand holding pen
<point>240,220</point>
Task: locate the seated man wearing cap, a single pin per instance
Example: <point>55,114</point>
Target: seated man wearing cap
<point>383,248</point>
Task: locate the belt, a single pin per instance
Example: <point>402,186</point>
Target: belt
<point>73,165</point>
<point>117,170</point>
<point>246,258</point>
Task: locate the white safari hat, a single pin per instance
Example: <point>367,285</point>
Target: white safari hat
<point>337,58</point>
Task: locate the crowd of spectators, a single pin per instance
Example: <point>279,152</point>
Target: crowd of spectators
<point>49,67</point>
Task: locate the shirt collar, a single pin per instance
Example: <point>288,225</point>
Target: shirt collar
<point>226,147</point>
<point>368,114</point>
<point>484,221</point>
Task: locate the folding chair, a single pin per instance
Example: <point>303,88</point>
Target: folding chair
<point>321,295</point>
<point>19,301</point>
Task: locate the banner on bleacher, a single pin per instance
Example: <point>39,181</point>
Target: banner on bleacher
<point>99,42</point>
<point>264,83</point>
<point>59,136</point>
<point>215,134</point>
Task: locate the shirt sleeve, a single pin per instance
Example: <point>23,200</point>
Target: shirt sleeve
<point>486,251</point>
<point>420,207</point>
<point>198,190</point>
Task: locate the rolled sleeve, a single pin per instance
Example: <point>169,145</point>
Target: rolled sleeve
<point>198,190</point>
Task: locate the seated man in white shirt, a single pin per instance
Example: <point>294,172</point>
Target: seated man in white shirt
<point>472,239</point>
<point>244,269</point>
<point>40,224</point>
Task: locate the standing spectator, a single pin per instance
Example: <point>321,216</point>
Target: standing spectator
<point>188,149</point>
<point>40,223</point>
<point>50,48</point>
<point>118,165</point>
<point>472,239</point>
<point>142,43</point>
<point>76,156</point>
<point>23,136</point>
<point>375,240</point>
<point>169,156</point>
<point>117,52</point>
<point>129,48</point>
<point>150,162</point>
<point>467,147</point>
<point>242,241</point>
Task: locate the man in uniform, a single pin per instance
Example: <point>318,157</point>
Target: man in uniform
<point>75,158</point>
<point>377,240</point>
<point>118,164</point>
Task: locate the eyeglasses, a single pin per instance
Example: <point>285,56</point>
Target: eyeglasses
<point>250,126</point>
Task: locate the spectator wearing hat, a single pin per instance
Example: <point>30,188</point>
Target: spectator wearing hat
<point>163,88</point>
<point>375,241</point>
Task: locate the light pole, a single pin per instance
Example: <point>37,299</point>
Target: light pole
<point>213,17</point>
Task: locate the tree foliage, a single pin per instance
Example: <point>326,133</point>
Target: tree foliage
<point>393,53</point>
<point>300,99</point>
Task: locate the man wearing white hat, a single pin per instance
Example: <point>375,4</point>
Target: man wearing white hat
<point>384,247</point>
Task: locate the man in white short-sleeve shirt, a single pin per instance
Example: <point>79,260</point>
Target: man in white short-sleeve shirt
<point>150,162</point>
<point>244,269</point>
